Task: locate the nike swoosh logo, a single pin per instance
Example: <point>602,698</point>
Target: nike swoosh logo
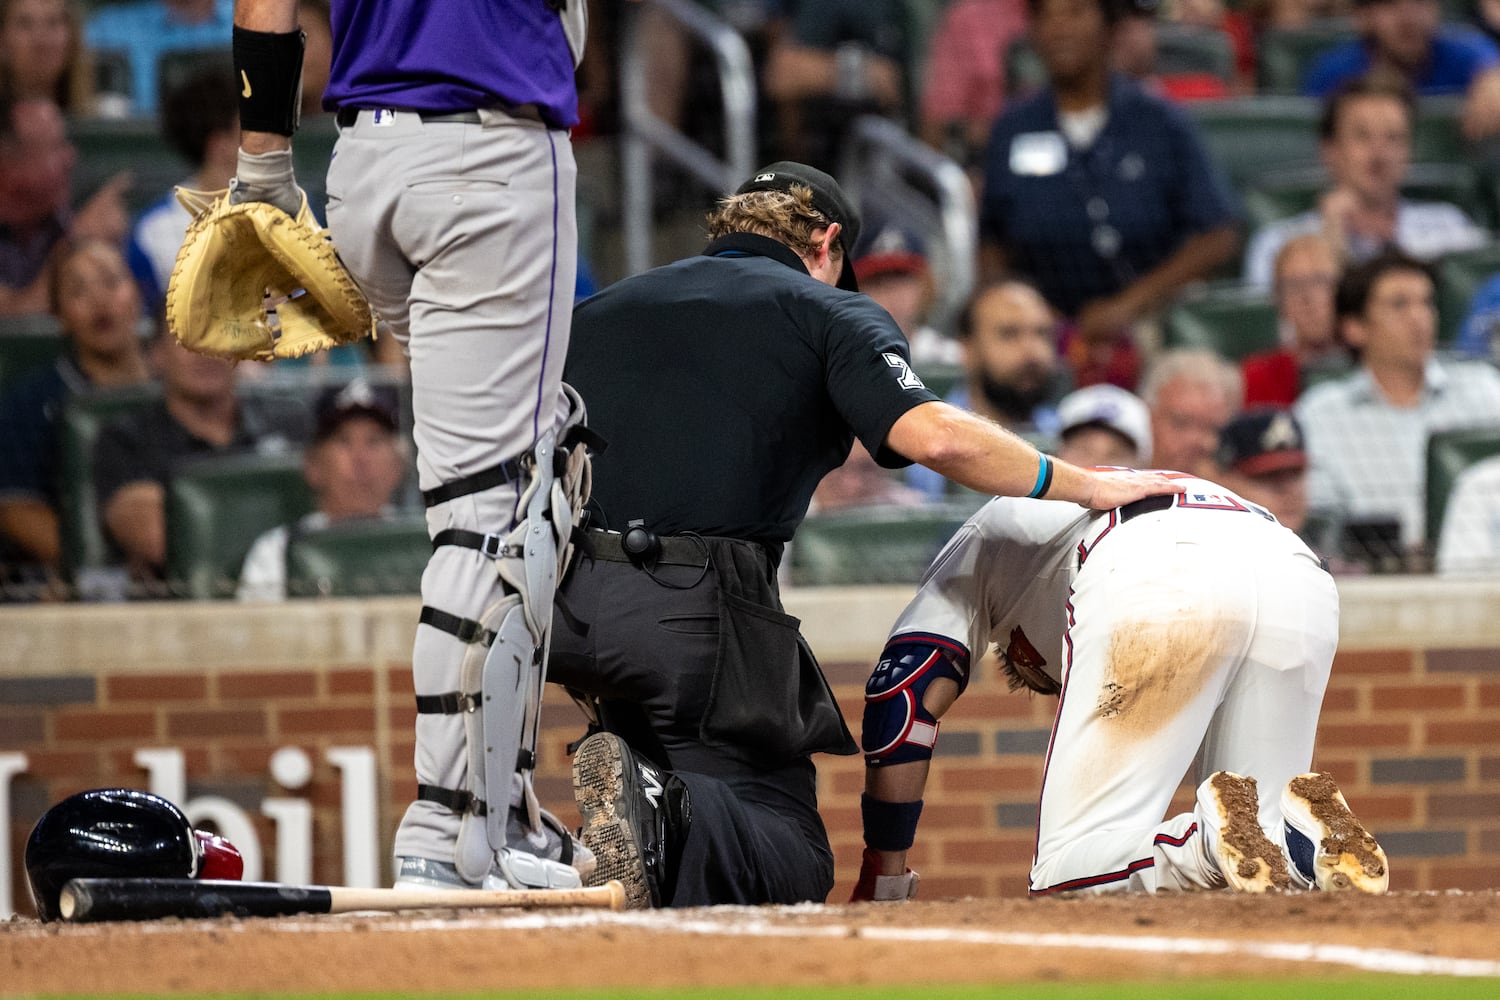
<point>246,79</point>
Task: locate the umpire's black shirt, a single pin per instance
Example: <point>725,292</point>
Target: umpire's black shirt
<point>728,385</point>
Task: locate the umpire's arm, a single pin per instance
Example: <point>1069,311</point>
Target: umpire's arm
<point>988,458</point>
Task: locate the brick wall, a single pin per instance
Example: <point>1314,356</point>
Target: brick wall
<point>1411,724</point>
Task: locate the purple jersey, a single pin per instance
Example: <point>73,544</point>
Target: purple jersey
<point>452,56</point>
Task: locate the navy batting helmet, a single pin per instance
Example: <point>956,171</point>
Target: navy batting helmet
<point>107,833</point>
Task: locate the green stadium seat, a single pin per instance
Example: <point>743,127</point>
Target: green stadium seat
<point>85,548</point>
<point>28,342</point>
<point>1448,454</point>
<point>1459,276</point>
<point>1248,136</point>
<point>215,510</point>
<point>872,545</point>
<point>109,146</point>
<point>175,68</point>
<point>359,559</point>
<point>940,379</point>
<point>1277,194</point>
<point>1024,72</point>
<point>1286,54</point>
<point>1436,136</point>
<point>1185,48</point>
<point>1233,321</point>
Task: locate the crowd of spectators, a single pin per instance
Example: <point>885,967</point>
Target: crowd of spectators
<point>1100,208</point>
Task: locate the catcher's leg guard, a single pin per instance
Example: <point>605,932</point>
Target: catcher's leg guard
<point>502,722</point>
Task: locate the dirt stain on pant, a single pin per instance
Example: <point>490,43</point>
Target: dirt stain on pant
<point>1155,668</point>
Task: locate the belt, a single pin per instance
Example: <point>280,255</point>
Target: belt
<point>1149,505</point>
<point>347,116</point>
<point>676,550</point>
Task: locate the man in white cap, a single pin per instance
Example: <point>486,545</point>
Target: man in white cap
<point>1103,425</point>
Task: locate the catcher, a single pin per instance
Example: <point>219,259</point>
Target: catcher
<point>1166,625</point>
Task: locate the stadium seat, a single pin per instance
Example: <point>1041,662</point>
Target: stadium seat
<point>1448,454</point>
<point>1436,136</point>
<point>1248,136</point>
<point>872,545</point>
<point>84,546</point>
<point>1277,194</point>
<point>1459,276</point>
<point>359,559</point>
<point>215,509</point>
<point>1233,321</point>
<point>1185,48</point>
<point>1024,72</point>
<point>173,69</point>
<point>107,147</point>
<point>940,379</point>
<point>27,342</point>
<point>1286,54</point>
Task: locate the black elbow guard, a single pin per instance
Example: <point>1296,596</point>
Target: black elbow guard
<point>269,65</point>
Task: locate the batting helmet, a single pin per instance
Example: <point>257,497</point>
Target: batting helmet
<point>107,833</point>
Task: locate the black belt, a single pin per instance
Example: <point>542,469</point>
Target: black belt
<point>676,550</point>
<point>348,116</point>
<point>345,117</point>
<point>1149,505</point>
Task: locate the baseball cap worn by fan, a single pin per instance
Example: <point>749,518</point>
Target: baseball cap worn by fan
<point>891,250</point>
<point>827,197</point>
<point>1262,441</point>
<point>1110,406</point>
<point>356,398</point>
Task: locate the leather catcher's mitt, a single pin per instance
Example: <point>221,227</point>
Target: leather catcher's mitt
<point>253,283</point>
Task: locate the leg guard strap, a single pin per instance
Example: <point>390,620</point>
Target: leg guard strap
<point>463,629</point>
<point>491,545</point>
<point>452,799</point>
<point>449,703</point>
<point>508,471</point>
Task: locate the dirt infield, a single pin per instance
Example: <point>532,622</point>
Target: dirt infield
<point>1115,938</point>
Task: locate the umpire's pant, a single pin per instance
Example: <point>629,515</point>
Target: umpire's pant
<point>647,652</point>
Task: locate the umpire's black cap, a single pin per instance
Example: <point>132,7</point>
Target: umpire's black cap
<point>827,197</point>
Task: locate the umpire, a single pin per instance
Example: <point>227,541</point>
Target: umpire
<point>727,385</point>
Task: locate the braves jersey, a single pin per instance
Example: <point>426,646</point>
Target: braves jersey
<point>1005,577</point>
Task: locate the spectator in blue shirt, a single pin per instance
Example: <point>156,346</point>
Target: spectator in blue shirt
<point>1100,193</point>
<point>1407,38</point>
<point>145,30</point>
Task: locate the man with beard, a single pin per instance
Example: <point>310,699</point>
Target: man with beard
<point>1008,335</point>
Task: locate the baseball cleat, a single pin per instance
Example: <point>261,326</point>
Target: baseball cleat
<point>635,816</point>
<point>1247,858</point>
<point>1329,846</point>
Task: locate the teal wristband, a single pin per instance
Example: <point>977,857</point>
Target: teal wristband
<point>1043,478</point>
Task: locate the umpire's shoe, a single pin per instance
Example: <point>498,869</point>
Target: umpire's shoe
<point>635,819</point>
<point>1329,847</point>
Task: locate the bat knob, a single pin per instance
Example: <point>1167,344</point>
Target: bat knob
<point>616,894</point>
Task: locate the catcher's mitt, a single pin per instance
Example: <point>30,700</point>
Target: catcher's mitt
<point>253,283</point>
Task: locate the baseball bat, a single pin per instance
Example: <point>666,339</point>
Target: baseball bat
<point>152,898</point>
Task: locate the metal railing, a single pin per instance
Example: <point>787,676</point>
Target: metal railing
<point>645,134</point>
<point>921,189</point>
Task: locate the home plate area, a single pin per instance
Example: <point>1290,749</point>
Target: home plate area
<point>1117,938</point>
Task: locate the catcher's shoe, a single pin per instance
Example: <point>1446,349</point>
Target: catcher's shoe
<point>552,842</point>
<point>1248,859</point>
<point>1329,846</point>
<point>635,818</point>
